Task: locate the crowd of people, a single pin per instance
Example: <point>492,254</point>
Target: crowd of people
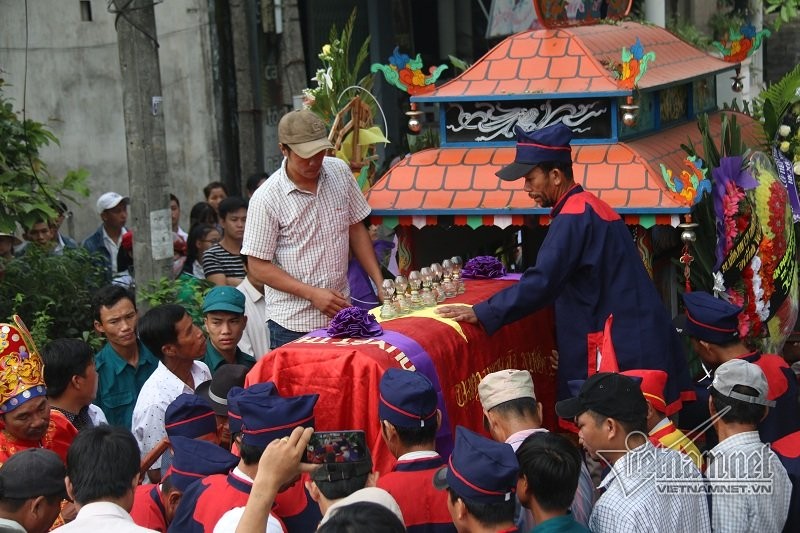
<point>158,432</point>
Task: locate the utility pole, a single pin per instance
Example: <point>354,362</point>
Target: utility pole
<point>292,59</point>
<point>245,43</point>
<point>145,139</point>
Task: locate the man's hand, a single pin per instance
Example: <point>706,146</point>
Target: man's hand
<point>278,466</point>
<point>459,313</point>
<point>280,463</point>
<point>328,301</point>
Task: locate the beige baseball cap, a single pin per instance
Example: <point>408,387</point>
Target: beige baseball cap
<point>304,132</point>
<point>504,386</point>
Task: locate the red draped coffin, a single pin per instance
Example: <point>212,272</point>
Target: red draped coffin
<point>345,372</point>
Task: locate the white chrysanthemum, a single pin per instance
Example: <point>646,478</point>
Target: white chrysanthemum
<point>719,284</point>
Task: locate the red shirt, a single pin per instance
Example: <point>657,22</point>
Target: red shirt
<point>424,507</point>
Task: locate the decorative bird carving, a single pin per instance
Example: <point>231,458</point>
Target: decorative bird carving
<point>406,74</point>
<point>740,43</point>
<point>691,183</point>
<point>634,65</point>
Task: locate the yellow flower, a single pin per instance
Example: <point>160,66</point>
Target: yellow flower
<point>785,146</point>
<point>326,50</point>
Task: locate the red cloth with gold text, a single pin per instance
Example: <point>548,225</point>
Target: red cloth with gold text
<point>346,372</point>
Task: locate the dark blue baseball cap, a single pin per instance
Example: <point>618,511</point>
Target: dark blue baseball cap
<point>407,399</point>
<point>550,144</point>
<point>196,459</point>
<point>189,416</point>
<point>266,418</point>
<point>479,470</point>
<point>234,415</point>
<point>710,319</point>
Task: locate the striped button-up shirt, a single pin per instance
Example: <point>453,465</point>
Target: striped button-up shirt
<point>652,489</point>
<point>751,488</point>
<point>307,235</point>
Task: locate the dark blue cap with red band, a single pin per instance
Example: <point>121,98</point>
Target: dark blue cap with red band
<point>407,399</point>
<point>234,415</point>
<point>196,459</point>
<point>189,416</point>
<point>550,144</point>
<point>266,418</point>
<point>710,319</point>
<point>480,470</point>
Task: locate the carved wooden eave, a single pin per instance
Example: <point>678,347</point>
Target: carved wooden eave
<point>542,77</point>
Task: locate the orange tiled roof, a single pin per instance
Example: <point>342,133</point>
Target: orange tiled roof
<point>462,181</point>
<point>569,60</point>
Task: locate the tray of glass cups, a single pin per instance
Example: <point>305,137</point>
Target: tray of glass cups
<point>423,288</point>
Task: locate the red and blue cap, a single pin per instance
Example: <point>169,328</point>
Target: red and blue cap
<point>550,144</point>
<point>266,418</point>
<point>407,399</point>
<point>479,470</point>
<point>234,415</point>
<point>710,319</point>
<point>196,459</point>
<point>189,416</point>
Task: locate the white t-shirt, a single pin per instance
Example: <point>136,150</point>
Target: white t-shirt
<point>229,521</point>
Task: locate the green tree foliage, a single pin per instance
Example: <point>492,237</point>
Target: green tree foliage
<point>185,290</point>
<point>786,10</point>
<point>52,293</point>
<point>28,192</point>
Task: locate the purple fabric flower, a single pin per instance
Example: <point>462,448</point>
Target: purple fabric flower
<point>483,267</point>
<point>355,323</point>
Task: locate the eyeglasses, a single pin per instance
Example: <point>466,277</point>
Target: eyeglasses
<point>211,241</point>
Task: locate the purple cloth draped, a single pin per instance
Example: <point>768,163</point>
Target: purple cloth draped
<point>423,363</point>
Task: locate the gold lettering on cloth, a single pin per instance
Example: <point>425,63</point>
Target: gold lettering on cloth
<point>535,361</point>
<point>391,350</point>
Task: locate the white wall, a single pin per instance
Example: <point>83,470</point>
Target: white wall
<point>74,86</point>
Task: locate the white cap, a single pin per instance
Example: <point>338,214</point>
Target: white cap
<point>370,495</point>
<point>504,386</point>
<point>110,200</point>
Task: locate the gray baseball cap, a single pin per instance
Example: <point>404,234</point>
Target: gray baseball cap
<point>740,372</point>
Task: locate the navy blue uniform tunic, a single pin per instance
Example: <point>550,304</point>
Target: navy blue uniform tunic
<point>589,268</point>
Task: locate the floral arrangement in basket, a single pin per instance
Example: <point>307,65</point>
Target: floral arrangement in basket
<point>338,99</point>
<point>780,112</point>
<point>745,242</point>
<point>337,73</point>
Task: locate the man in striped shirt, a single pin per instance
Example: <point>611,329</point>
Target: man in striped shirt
<point>302,222</point>
<point>222,263</point>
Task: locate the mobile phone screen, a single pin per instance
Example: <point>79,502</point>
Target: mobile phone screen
<point>336,447</point>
